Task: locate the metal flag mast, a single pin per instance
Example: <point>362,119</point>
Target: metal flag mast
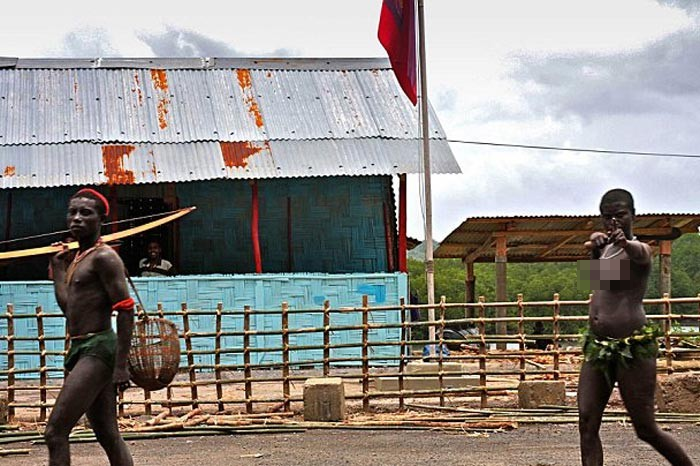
<point>425,134</point>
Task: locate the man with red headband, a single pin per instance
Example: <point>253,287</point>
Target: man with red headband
<point>89,285</point>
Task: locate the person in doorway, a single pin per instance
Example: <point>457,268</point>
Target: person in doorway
<point>619,345</point>
<point>89,285</point>
<point>153,265</point>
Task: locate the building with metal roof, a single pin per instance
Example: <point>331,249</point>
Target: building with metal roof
<point>290,162</point>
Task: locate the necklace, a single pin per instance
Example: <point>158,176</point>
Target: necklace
<point>616,253</point>
<point>79,257</point>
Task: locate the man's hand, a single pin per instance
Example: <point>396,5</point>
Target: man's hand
<point>618,238</point>
<point>597,240</point>
<point>121,378</point>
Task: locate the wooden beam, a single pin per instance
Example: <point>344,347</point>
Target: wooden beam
<point>477,252</point>
<point>558,245</point>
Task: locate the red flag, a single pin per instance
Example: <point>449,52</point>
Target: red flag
<point>397,33</point>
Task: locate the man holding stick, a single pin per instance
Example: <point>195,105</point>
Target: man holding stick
<point>89,285</point>
<point>619,345</point>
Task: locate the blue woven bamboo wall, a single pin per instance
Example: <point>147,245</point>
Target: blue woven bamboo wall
<point>301,291</point>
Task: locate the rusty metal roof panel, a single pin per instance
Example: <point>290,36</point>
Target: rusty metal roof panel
<point>140,105</point>
<point>84,163</point>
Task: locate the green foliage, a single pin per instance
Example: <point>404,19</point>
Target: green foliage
<point>539,281</point>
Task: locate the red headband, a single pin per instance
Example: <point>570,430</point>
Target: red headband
<point>98,196</point>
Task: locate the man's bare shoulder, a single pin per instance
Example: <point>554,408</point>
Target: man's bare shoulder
<point>105,256</point>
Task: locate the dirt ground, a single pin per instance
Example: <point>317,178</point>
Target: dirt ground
<point>531,445</point>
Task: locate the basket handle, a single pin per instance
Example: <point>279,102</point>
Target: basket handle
<point>144,314</point>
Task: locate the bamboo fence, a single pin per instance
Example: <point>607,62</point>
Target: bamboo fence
<point>240,385</point>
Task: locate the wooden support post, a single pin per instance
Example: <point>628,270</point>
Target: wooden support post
<point>217,357</point>
<point>556,329</point>
<point>402,224</point>
<point>482,352</point>
<point>326,337</point>
<point>254,227</point>
<point>389,239</point>
<point>501,291</point>
<point>665,267</point>
<point>290,243</point>
<point>469,286</point>
<point>521,334</point>
<point>365,353</point>
<point>190,356</point>
<point>285,356</point>
<point>42,362</point>
<point>402,350</point>
<point>668,325</point>
<point>247,372</point>
<point>10,363</point>
<point>441,342</point>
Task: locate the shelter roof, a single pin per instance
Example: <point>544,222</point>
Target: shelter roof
<point>80,121</point>
<point>551,238</point>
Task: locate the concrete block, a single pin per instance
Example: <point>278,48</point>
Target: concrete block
<point>3,410</point>
<point>421,367</point>
<point>324,399</point>
<point>537,393</point>
<point>678,393</point>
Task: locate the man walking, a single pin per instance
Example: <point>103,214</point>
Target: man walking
<point>89,285</point>
<point>619,345</point>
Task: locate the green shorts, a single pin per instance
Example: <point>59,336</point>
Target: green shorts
<point>102,345</point>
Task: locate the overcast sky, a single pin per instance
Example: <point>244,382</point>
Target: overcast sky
<point>619,74</point>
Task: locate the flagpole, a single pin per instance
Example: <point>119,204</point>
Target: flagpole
<point>425,133</point>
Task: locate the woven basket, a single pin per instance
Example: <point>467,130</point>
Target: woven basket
<point>154,357</point>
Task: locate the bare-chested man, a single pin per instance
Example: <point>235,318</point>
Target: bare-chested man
<point>620,346</point>
<point>89,285</point>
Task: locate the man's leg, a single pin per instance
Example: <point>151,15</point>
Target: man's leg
<point>593,394</point>
<point>103,419</point>
<point>79,391</point>
<point>637,384</point>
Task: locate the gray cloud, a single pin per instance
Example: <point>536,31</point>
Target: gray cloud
<point>178,42</point>
<point>690,6</point>
<point>85,42</point>
<point>659,79</point>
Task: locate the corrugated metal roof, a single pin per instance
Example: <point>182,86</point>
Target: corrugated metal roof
<point>83,163</point>
<point>124,120</point>
<point>544,238</point>
<point>58,105</point>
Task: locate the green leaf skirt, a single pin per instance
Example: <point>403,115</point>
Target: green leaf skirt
<point>607,354</point>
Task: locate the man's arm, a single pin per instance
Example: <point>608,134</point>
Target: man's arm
<point>58,265</point>
<point>111,271</point>
<point>637,251</point>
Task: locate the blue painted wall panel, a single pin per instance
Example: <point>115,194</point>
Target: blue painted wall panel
<point>268,291</point>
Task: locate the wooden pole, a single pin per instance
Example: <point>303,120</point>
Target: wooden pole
<point>501,291</point>
<point>441,342</point>
<point>665,267</point>
<point>389,238</point>
<point>42,362</point>
<point>10,363</point>
<point>521,334</point>
<point>285,356</point>
<point>556,330</point>
<point>254,227</point>
<point>217,356</point>
<point>668,321</point>
<point>402,224</point>
<point>482,352</point>
<point>247,373</point>
<point>169,389</point>
<point>469,286</point>
<point>290,248</point>
<point>402,350</point>
<point>190,356</point>
<point>365,353</point>
<point>326,337</point>
<point>425,132</point>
